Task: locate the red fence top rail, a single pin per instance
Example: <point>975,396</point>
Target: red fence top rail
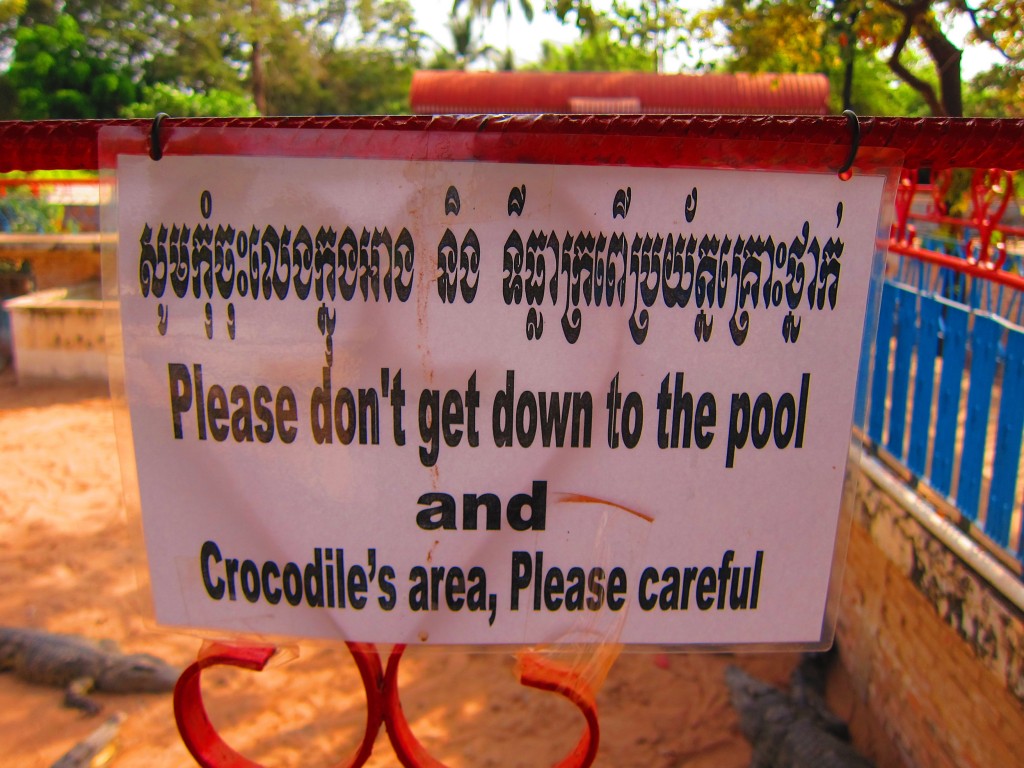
<point>925,142</point>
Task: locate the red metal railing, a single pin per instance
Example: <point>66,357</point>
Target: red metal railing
<point>949,331</point>
<point>991,191</point>
<point>923,142</point>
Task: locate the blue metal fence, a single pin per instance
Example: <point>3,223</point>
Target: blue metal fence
<point>946,393</point>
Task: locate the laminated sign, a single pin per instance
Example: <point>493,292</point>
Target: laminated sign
<point>414,400</point>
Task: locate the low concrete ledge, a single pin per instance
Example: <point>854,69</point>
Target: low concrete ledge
<point>931,631</point>
<point>60,333</point>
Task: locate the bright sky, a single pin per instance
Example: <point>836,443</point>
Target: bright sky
<point>525,38</point>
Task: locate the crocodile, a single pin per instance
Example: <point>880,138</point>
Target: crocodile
<point>790,730</point>
<point>81,666</point>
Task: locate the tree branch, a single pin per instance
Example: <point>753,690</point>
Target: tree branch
<point>904,74</point>
<point>984,34</point>
<point>947,61</point>
<point>909,11</point>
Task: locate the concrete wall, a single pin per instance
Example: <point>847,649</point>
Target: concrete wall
<point>59,334</point>
<point>930,636</point>
<point>52,261</point>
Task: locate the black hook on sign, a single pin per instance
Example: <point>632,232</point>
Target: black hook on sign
<point>854,123</point>
<point>156,151</point>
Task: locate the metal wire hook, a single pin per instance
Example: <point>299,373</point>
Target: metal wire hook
<point>156,151</point>
<point>845,173</point>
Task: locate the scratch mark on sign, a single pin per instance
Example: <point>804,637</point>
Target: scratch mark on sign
<point>582,498</point>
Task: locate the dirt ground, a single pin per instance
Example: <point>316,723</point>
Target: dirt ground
<point>69,561</point>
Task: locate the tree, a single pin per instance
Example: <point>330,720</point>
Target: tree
<point>793,36</point>
<point>762,36</point>
<point>862,30</point>
<point>10,12</point>
<point>367,81</point>
<point>126,33</point>
<point>652,27</point>
<point>283,56</point>
<point>918,17</point>
<point>209,48</point>
<point>274,52</point>
<point>55,75</point>
<point>343,58</point>
<point>366,56</point>
<point>596,53</point>
<point>484,9</point>
<point>997,92</point>
<point>467,48</point>
<point>993,22</point>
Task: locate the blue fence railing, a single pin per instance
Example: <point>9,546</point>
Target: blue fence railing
<point>946,394</point>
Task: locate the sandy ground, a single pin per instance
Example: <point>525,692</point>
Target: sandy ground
<point>68,563</point>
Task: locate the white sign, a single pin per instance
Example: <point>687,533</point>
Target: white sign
<point>484,403</point>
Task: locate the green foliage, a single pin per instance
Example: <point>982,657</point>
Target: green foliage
<point>337,57</point>
<point>285,54</point>
<point>55,75</point>
<point>654,27</point>
<point>101,58</point>
<point>22,211</point>
<point>997,23</point>
<point>840,39</point>
<point>125,33</point>
<point>651,29</point>
<point>11,12</point>
<point>597,53</point>
<point>209,48</point>
<point>48,175</point>
<point>580,12</point>
<point>997,92</point>
<point>184,102</point>
<point>876,90</point>
<point>467,49</point>
<point>8,99</point>
<point>787,36</point>
<point>911,38</point>
<point>366,81</point>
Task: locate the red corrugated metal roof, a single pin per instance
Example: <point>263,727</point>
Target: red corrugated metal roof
<point>454,92</point>
<point>595,105</point>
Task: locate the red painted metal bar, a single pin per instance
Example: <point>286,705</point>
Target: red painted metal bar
<point>383,707</point>
<point>992,190</point>
<point>924,142</point>
<point>197,732</point>
<point>535,672</point>
<point>54,182</point>
<point>972,268</point>
<point>202,739</point>
<point>955,221</point>
<point>35,185</point>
